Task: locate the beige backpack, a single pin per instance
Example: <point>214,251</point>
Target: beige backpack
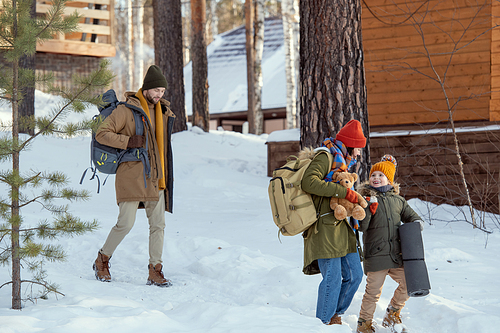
<point>293,209</point>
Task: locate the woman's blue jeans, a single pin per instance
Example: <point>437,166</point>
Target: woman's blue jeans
<point>341,279</point>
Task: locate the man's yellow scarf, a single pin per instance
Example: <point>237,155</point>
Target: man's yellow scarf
<point>158,134</point>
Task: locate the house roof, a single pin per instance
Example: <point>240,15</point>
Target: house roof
<point>227,77</point>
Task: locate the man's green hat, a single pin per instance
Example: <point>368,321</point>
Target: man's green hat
<point>154,79</point>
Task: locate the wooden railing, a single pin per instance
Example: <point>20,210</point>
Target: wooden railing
<point>95,36</point>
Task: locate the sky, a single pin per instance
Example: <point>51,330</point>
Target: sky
<point>230,271</point>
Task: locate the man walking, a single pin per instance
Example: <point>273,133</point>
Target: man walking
<point>135,186</point>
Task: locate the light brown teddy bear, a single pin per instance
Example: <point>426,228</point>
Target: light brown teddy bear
<point>343,208</point>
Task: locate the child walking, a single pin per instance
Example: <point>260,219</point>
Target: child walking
<point>381,245</point>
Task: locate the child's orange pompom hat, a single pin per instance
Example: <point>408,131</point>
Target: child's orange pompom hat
<point>387,166</point>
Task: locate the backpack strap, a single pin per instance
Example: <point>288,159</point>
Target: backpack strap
<point>330,162</point>
<point>125,155</point>
<point>358,245</point>
<point>141,154</point>
<point>110,103</point>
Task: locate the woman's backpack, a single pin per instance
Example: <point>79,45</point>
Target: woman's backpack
<point>293,208</point>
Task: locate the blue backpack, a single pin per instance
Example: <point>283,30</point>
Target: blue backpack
<point>106,159</point>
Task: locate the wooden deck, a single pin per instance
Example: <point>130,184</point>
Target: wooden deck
<point>95,36</point>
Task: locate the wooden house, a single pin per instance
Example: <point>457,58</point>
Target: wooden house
<point>227,81</point>
<point>425,62</point>
<point>80,52</point>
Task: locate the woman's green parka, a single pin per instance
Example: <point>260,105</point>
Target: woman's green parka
<point>381,243</point>
<point>327,237</point>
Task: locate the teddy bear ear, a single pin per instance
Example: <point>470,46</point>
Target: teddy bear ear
<point>355,176</point>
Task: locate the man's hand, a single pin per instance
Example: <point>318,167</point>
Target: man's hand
<point>135,141</point>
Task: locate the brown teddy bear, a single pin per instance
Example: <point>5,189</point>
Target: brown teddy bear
<point>343,208</point>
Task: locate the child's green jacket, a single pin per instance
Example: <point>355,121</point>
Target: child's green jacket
<point>381,244</point>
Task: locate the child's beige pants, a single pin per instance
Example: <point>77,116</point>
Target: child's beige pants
<point>373,290</point>
<point>155,212</point>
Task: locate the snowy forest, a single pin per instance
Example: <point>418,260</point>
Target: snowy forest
<point>135,29</point>
<point>230,271</point>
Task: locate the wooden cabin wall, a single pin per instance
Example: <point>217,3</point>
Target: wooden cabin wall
<point>427,162</point>
<point>428,166</point>
<point>495,62</point>
<point>278,152</point>
<point>64,66</point>
<point>401,84</point>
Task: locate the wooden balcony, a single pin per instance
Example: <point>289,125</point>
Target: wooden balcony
<point>95,36</point>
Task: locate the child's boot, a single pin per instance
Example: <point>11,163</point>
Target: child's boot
<point>365,326</point>
<point>393,317</point>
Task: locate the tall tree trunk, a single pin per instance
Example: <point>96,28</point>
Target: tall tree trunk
<point>296,43</point>
<point>272,7</point>
<point>214,19</point>
<point>254,15</point>
<point>120,27</point>
<point>138,42</point>
<point>130,48</point>
<point>201,117</point>
<point>332,75</point>
<point>16,258</point>
<point>186,46</point>
<point>27,105</point>
<point>249,30</point>
<point>290,12</point>
<point>168,55</point>
<point>259,50</point>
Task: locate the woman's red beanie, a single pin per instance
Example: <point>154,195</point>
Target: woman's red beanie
<point>351,135</point>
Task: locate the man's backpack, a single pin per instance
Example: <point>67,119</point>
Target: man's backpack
<point>106,159</point>
<point>293,209</point>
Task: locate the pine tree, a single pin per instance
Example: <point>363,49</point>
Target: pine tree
<point>332,79</point>
<point>19,34</point>
<point>201,116</point>
<point>168,56</point>
<point>290,14</point>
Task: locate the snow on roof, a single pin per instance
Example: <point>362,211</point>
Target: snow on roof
<point>284,135</point>
<point>294,134</point>
<point>227,78</point>
<point>437,131</point>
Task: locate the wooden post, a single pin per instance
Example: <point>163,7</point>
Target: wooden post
<point>249,18</point>
<point>201,117</point>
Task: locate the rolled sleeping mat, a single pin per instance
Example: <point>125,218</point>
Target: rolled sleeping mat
<point>412,251</point>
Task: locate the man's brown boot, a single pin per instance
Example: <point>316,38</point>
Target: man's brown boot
<point>101,268</point>
<point>156,276</point>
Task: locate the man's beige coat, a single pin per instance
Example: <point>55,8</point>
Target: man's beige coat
<point>116,130</point>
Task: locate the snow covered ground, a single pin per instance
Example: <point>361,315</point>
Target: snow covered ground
<point>230,271</point>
